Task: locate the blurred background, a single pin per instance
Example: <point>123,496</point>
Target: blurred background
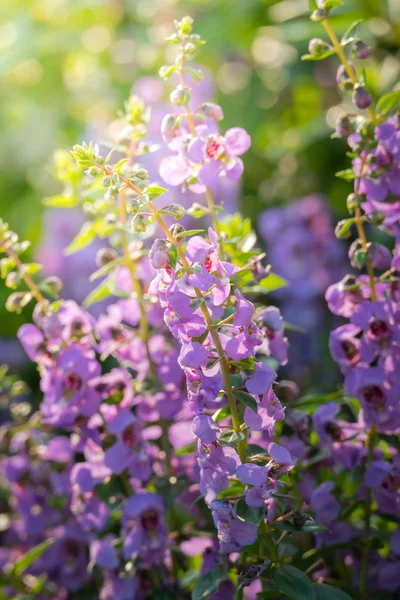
<point>67,65</point>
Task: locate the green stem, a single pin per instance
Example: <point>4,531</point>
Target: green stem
<point>273,550</point>
<point>207,317</point>
<point>33,288</point>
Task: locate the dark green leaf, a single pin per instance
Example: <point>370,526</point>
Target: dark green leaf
<point>248,514</point>
<point>388,102</point>
<point>231,437</point>
<point>327,592</point>
<point>343,228</point>
<point>308,527</point>
<point>246,399</point>
<point>208,583</point>
<point>221,414</point>
<point>27,559</point>
<point>293,582</point>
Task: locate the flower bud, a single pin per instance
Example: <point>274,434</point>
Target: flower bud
<point>361,97</point>
<point>377,217</point>
<point>343,79</point>
<point>185,26</point>
<point>159,254</point>
<point>380,256</point>
<point>110,219</point>
<point>106,181</point>
<point>169,130</point>
<point>113,191</point>
<point>92,172</point>
<point>105,256</point>
<point>360,50</point>
<point>12,280</point>
<point>212,110</point>
<point>344,126</point>
<point>354,200</point>
<point>180,96</point>
<point>177,211</point>
<point>176,229</point>
<point>139,223</point>
<point>16,302</point>
<point>53,284</point>
<point>300,517</point>
<point>316,47</point>
<point>141,174</point>
<point>319,15</point>
<point>132,206</point>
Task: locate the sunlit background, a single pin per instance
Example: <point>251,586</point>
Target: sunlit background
<point>67,66</point>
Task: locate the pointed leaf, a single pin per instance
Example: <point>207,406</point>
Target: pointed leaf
<point>101,292</point>
<point>327,592</point>
<point>27,559</point>
<point>293,582</point>
<point>388,102</point>
<point>249,514</point>
<point>246,399</point>
<point>84,238</point>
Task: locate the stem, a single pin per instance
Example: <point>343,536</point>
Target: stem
<point>135,283</point>
<point>214,218</point>
<point>368,502</point>
<point>166,448</point>
<point>364,244</point>
<point>340,52</point>
<point>189,115</point>
<point>206,314</point>
<point>33,288</point>
<point>270,544</point>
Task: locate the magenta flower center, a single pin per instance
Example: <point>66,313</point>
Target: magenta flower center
<point>214,148</point>
<point>379,329</point>
<point>373,394</point>
<point>73,382</point>
<point>149,520</point>
<point>129,436</point>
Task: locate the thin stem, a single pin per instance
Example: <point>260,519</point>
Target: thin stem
<point>33,288</point>
<point>214,218</point>
<point>273,550</point>
<point>340,52</point>
<point>364,244</point>
<point>368,502</point>
<point>189,115</point>
<point>206,314</point>
<point>166,448</point>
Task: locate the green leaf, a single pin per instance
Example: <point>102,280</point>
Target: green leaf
<point>230,437</point>
<point>312,5</point>
<point>221,414</point>
<point>61,200</point>
<point>120,164</point>
<point>343,228</point>
<point>360,257</point>
<point>85,236</point>
<point>246,399</point>
<point>248,514</point>
<point>327,592</point>
<point>293,582</point>
<point>101,292</point>
<point>388,102</point>
<point>196,303</point>
<point>106,269</point>
<point>272,282</point>
<point>7,265</point>
<point>31,268</point>
<point>196,74</point>
<point>189,232</point>
<point>348,33</point>
<point>27,559</point>
<point>173,256</point>
<point>208,583</point>
<point>154,190</point>
<point>167,70</point>
<point>329,4</point>
<point>319,56</point>
<point>346,174</point>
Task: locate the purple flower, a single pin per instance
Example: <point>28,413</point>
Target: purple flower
<point>145,533</point>
<point>103,553</point>
<point>261,381</point>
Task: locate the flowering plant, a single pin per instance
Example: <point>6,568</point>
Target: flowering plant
<point>166,460</point>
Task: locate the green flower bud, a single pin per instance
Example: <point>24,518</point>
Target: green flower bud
<point>319,15</point>
<point>316,47</point>
<point>12,280</point>
<point>53,284</point>
<point>106,181</point>
<point>92,172</point>
<point>132,206</point>
<point>354,201</point>
<point>180,96</point>
<point>185,26</point>
<point>139,223</point>
<point>177,211</point>
<point>175,229</point>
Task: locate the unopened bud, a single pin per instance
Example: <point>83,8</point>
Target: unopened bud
<point>354,201</point>
<point>185,26</point>
<point>381,257</point>
<point>300,517</point>
<point>139,223</point>
<point>92,172</point>
<point>12,280</point>
<point>343,79</point>
<point>176,229</point>
<point>53,284</point>
<point>344,126</point>
<point>361,96</point>
<point>159,254</point>
<point>105,256</point>
<point>177,211</point>
<point>132,206</point>
<point>16,302</point>
<point>180,96</point>
<point>106,181</point>
<point>113,191</point>
<point>360,50</point>
<point>319,15</point>
<point>316,47</point>
<point>141,174</point>
<point>110,219</point>
<point>212,110</point>
<point>377,217</point>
